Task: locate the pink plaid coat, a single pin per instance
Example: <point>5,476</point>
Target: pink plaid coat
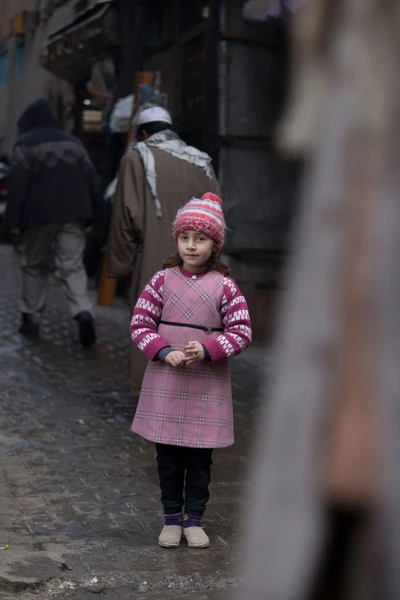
<point>189,406</point>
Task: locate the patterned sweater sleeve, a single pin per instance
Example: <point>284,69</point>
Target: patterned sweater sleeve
<point>237,325</point>
<point>146,317</point>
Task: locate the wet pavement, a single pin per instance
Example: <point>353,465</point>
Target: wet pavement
<point>79,500</point>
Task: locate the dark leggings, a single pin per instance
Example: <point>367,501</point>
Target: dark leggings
<point>176,462</point>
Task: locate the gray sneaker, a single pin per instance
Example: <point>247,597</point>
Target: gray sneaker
<point>196,537</point>
<point>170,537</point>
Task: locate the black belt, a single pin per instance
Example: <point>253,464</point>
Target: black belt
<point>206,329</point>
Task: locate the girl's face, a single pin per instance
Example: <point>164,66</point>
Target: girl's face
<point>195,249</point>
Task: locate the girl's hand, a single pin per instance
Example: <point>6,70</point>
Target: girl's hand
<point>176,359</point>
<point>195,351</point>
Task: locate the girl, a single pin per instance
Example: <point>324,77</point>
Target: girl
<point>189,319</point>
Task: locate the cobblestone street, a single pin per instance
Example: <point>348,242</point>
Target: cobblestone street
<point>79,500</point>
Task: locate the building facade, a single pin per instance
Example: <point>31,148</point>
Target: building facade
<point>225,81</point>
<point>24,28</point>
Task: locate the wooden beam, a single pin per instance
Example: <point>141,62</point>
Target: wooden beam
<point>108,285</point>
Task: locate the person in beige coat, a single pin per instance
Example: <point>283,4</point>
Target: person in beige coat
<point>156,178</point>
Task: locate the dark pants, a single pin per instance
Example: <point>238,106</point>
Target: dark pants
<point>176,462</point>
<point>344,528</point>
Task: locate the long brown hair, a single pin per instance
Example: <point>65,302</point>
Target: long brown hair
<point>214,263</point>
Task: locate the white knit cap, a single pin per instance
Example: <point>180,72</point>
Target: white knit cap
<point>153,114</point>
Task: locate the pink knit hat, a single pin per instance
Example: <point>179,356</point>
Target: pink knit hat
<point>203,215</point>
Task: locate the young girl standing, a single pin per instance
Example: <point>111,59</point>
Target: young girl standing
<point>189,320</point>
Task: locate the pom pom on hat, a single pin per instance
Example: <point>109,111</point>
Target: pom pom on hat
<point>213,197</point>
<point>205,215</point>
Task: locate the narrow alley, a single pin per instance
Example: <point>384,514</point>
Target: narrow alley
<point>80,511</point>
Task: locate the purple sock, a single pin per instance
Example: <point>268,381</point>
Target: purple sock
<point>173,519</point>
<point>192,521</point>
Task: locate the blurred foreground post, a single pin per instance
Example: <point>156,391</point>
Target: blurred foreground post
<point>108,285</point>
<point>329,444</point>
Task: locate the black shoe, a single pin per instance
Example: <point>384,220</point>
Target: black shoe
<point>29,327</point>
<point>87,332</point>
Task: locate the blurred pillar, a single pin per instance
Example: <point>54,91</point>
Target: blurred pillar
<point>339,342</point>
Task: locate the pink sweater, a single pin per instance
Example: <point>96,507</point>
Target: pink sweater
<point>234,312</point>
